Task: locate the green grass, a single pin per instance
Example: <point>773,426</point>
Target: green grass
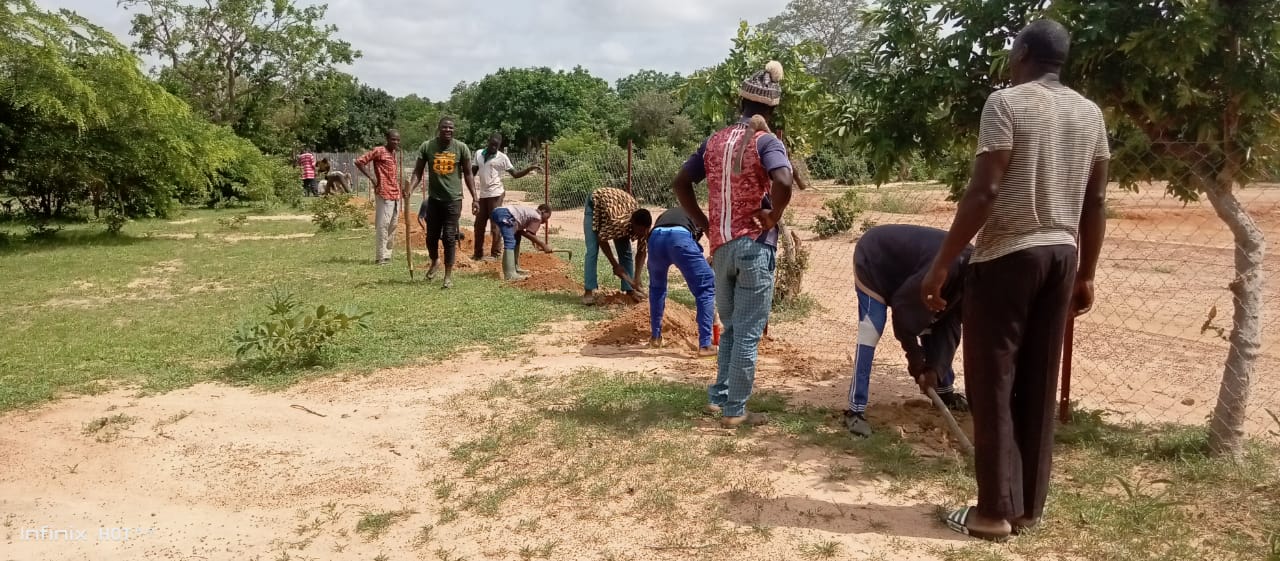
<point>898,202</point>
<point>1137,491</point>
<point>797,309</point>
<point>373,525</point>
<point>84,308</point>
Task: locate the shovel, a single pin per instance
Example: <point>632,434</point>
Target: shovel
<point>952,425</point>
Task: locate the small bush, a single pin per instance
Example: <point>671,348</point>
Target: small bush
<point>234,222</point>
<point>293,334</point>
<point>900,203</point>
<point>844,213</point>
<point>845,169</point>
<point>115,223</point>
<point>42,230</point>
<point>337,212</point>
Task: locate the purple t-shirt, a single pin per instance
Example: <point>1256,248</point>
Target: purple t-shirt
<point>773,155</point>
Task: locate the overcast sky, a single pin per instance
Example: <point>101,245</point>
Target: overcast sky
<point>428,46</point>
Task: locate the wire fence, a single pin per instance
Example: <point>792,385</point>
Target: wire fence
<point>1152,350</point>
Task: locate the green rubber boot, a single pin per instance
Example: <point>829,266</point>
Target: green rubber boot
<point>509,267</point>
<point>519,271</point>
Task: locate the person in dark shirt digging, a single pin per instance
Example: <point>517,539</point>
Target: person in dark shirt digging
<point>889,262</point>
<point>674,241</point>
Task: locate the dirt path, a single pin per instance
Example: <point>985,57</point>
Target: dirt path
<point>215,472</point>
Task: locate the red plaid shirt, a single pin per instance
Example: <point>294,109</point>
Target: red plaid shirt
<point>385,169</point>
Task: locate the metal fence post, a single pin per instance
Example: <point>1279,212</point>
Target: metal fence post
<point>546,187</point>
<point>630,151</point>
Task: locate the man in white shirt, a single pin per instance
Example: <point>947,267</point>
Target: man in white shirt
<point>488,165</point>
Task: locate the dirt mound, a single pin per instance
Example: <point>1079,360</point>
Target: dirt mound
<point>679,326</point>
<point>547,273</point>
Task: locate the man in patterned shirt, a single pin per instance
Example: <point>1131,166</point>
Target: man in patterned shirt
<point>613,215</point>
<point>749,181</point>
<point>386,190</point>
<point>1038,190</point>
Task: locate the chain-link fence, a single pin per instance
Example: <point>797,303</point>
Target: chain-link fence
<point>1152,350</point>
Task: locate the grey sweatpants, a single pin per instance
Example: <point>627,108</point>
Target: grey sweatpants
<point>385,212</point>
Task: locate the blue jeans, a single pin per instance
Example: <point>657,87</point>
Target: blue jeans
<point>872,315</point>
<point>744,293</point>
<point>623,247</point>
<point>506,225</point>
<point>675,246</point>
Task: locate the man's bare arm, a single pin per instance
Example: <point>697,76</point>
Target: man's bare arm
<point>419,167</point>
<point>976,205</point>
<point>1093,220</point>
<point>526,171</point>
<point>683,187</point>
<point>534,238</point>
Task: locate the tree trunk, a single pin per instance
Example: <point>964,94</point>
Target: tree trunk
<point>1226,427</point>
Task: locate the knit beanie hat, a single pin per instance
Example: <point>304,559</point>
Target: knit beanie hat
<point>762,87</point>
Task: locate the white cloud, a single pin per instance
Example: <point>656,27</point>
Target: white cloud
<point>428,46</point>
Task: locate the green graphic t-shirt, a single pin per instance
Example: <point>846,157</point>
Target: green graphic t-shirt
<point>444,168</point>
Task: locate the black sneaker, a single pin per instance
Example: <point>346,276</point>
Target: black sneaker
<point>856,424</point>
<point>956,401</point>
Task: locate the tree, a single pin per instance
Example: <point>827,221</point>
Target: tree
<point>1189,90</point>
<point>645,81</point>
<point>713,92</point>
<point>237,60</point>
<point>82,125</point>
<point>839,26</point>
<point>652,116</point>
<point>532,105</point>
<point>416,119</point>
<point>369,112</point>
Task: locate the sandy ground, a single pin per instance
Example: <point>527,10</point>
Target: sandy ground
<point>215,472</point>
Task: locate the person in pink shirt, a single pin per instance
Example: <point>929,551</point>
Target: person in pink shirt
<point>307,163</point>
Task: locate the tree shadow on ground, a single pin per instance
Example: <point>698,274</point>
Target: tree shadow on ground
<point>342,260</point>
<point>14,244</point>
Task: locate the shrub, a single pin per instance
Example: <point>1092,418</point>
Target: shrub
<point>897,202</point>
<point>115,223</point>
<point>338,212</point>
<point>844,213</point>
<point>651,176</point>
<point>845,169</point>
<point>234,222</point>
<point>292,334</point>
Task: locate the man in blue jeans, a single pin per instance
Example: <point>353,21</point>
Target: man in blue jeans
<point>749,183</point>
<point>516,223</point>
<point>889,263</point>
<point>674,241</point>
<point>613,215</point>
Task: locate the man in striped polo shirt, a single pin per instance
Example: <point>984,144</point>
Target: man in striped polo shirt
<point>1037,192</point>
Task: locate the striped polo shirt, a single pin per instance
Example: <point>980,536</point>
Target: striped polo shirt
<point>1055,136</point>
